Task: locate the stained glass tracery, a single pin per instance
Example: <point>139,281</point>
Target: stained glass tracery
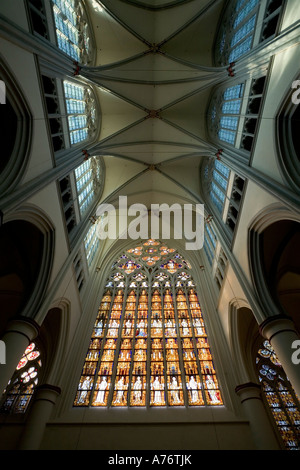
<point>149,345</point>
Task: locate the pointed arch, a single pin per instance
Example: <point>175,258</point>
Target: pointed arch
<point>73,29</point>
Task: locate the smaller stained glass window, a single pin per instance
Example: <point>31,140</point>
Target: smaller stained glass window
<point>87,177</point>
<point>236,34</point>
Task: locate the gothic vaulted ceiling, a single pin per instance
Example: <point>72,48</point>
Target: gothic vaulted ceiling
<point>155,71</point>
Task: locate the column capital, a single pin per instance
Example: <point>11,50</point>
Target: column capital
<point>276,325</point>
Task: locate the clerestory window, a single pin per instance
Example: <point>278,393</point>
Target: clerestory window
<point>72,30</point>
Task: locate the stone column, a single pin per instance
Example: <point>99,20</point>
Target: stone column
<point>39,414</point>
<point>281,334</point>
<point>19,334</point>
<point>262,431</point>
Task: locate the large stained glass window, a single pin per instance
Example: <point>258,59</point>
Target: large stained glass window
<point>72,30</point>
<point>280,396</point>
<point>224,113</point>
<point>149,345</point>
<point>20,389</point>
<point>216,181</point>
